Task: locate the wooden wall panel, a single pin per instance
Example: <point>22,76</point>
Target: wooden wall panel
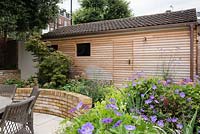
<point>158,54</point>
<point>149,52</point>
<point>122,61</point>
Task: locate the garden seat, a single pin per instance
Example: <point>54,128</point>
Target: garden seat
<point>34,93</point>
<point>16,117</point>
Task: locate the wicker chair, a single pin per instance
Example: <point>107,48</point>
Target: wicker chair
<point>15,118</point>
<point>8,91</point>
<point>35,93</point>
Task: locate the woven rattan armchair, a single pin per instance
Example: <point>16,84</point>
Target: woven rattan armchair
<point>15,118</point>
<point>8,91</point>
<point>35,93</point>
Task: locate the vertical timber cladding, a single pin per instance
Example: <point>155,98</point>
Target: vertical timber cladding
<point>117,57</point>
<point>122,61</point>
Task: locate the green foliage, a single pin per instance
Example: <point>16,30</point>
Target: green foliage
<point>18,83</point>
<point>95,116</point>
<point>97,90</point>
<point>30,82</point>
<point>53,66</point>
<point>189,128</point>
<point>26,16</point>
<point>165,100</point>
<point>96,10</point>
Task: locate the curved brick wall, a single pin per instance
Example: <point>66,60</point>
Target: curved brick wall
<point>55,102</point>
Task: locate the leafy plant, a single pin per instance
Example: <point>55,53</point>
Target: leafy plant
<point>18,83</point>
<point>189,128</point>
<point>164,103</point>
<point>107,117</point>
<point>53,66</point>
<point>95,89</point>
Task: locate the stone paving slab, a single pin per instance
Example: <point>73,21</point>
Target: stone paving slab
<point>46,124</point>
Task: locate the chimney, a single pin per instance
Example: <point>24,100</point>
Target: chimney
<point>168,11</point>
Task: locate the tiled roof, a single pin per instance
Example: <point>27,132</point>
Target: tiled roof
<point>184,16</point>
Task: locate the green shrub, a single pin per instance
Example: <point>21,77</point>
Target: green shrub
<point>172,103</point>
<point>95,89</point>
<point>53,65</point>
<point>160,106</point>
<point>30,82</point>
<point>18,83</point>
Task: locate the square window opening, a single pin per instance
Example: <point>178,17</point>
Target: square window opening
<point>83,49</point>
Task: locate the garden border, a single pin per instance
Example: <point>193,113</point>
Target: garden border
<point>55,102</point>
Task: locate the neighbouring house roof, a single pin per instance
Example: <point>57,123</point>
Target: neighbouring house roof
<point>184,16</point>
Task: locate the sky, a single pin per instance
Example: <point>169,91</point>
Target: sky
<point>146,7</point>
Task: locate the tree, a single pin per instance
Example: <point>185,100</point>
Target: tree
<point>25,16</point>
<point>96,10</point>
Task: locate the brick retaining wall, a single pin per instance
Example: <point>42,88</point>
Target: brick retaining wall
<point>9,74</point>
<point>55,102</point>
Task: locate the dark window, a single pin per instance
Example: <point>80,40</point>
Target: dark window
<point>83,49</point>
<point>53,47</point>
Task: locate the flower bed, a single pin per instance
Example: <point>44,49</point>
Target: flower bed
<point>55,102</point>
<point>145,105</point>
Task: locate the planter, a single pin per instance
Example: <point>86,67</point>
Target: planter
<point>55,102</point>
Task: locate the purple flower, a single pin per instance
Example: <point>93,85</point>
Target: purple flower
<point>80,104</point>
<point>142,95</point>
<point>169,120</point>
<point>160,123</point>
<point>107,120</point>
<point>154,87</point>
<point>117,123</point>
<point>182,95</point>
<point>148,101</point>
<point>112,100</point>
<point>187,80</point>
<point>153,118</point>
<point>86,129</point>
<point>141,110</point>
<point>176,91</point>
<point>154,111</point>
<point>85,107</point>
<point>151,106</point>
<point>129,127</point>
<point>156,101</point>
<point>151,97</point>
<point>174,119</point>
<point>72,110</point>
<point>189,99</point>
<point>179,126</point>
<point>117,113</point>
<point>134,84</point>
<point>161,98</point>
<point>145,117</point>
<point>112,106</point>
<point>168,81</point>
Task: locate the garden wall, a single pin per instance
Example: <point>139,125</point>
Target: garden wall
<point>9,74</point>
<point>55,102</point>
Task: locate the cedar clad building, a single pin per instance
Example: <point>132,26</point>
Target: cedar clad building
<point>161,45</point>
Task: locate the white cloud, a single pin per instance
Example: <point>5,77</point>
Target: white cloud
<point>144,7</point>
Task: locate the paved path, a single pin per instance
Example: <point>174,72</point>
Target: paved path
<point>46,124</point>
